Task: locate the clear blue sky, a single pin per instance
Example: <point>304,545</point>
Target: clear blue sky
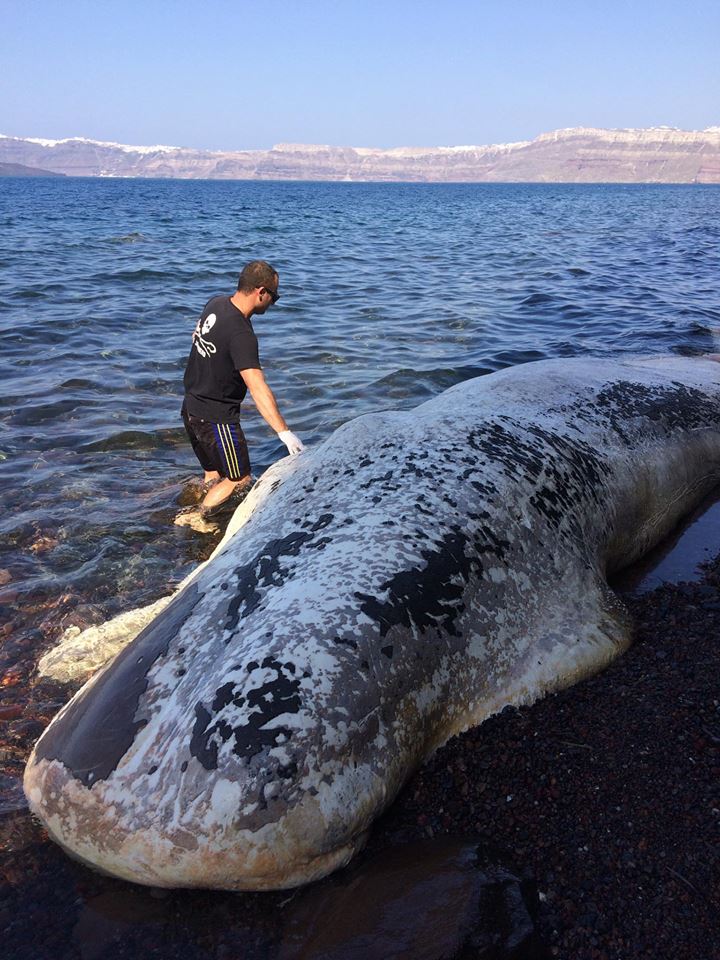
<point>234,74</point>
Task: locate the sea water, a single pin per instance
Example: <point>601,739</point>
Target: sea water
<point>390,293</point>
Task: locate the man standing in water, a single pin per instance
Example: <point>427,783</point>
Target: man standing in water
<point>223,365</point>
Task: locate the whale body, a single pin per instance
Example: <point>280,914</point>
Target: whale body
<point>409,577</point>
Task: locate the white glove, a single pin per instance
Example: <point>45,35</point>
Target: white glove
<point>293,443</point>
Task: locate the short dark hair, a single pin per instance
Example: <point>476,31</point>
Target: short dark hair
<point>255,274</point>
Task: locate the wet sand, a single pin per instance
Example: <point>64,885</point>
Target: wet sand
<point>606,793</point>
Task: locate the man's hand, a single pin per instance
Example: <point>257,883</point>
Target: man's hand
<point>293,443</point>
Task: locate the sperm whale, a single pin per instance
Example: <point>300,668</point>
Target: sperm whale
<point>407,578</point>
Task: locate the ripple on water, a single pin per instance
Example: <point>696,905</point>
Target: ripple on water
<point>77,383</point>
<point>135,237</point>
<point>136,276</point>
<point>32,415</point>
<point>423,384</point>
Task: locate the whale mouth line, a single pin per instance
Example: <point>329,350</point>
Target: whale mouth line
<point>206,871</point>
<point>112,722</point>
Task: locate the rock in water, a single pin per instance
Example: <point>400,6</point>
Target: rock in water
<point>406,579</point>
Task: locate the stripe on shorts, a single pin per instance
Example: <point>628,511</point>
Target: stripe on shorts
<point>227,448</point>
<point>235,444</point>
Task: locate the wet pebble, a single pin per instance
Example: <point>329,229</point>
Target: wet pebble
<point>11,711</point>
<point>43,544</point>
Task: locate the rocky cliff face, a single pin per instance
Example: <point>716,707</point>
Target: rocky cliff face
<point>577,155</point>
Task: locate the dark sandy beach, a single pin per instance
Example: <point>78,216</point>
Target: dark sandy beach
<point>606,794</point>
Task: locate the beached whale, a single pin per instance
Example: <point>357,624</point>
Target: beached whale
<point>412,575</point>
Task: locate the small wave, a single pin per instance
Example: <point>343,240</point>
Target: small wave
<point>129,238</point>
<point>536,299</point>
<point>32,416</point>
<point>137,440</point>
<point>710,314</point>
<point>28,295</point>
<point>419,385</point>
<point>573,311</point>
<point>80,384</point>
<point>142,273</point>
<point>511,358</point>
<point>126,440</point>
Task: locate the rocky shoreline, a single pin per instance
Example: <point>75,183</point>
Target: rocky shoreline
<point>606,794</point>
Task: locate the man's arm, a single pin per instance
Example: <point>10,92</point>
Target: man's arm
<point>267,406</point>
<point>264,399</point>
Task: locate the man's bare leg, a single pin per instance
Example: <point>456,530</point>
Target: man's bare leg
<point>220,492</point>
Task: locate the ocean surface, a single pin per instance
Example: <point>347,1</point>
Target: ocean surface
<point>389,294</point>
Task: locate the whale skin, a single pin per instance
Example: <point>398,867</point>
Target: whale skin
<point>410,576</point>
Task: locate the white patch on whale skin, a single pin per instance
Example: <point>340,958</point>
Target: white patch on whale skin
<point>224,804</point>
<point>371,611</point>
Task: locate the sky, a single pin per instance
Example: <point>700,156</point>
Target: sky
<point>244,74</point>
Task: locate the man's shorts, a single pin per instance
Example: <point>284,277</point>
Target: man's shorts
<point>218,446</point>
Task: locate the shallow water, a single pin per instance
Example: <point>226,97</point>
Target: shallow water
<point>389,294</point>
<point>680,558</point>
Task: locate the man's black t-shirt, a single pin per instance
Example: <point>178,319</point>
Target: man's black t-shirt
<point>223,343</point>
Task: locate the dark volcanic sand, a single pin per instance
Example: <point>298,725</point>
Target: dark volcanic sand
<point>607,793</point>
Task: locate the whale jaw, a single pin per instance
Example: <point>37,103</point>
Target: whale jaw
<point>274,858</point>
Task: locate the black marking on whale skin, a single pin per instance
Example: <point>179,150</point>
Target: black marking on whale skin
<point>575,474</point>
<point>559,472</point>
<point>430,595</point>
<point>674,407</point>
<point>422,473</point>
<point>564,472</point>
<point>254,709</point>
<point>201,746</point>
<point>99,726</point>
<point>346,642</point>
<point>267,571</point>
<point>385,480</point>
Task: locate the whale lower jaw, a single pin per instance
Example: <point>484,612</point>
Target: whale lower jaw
<point>217,876</point>
<point>176,859</point>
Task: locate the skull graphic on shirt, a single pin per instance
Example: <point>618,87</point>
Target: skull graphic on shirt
<point>204,347</point>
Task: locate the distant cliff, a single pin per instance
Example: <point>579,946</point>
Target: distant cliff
<point>576,155</point>
<point>19,170</point>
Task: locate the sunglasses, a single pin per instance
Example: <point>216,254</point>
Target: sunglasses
<point>273,295</point>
